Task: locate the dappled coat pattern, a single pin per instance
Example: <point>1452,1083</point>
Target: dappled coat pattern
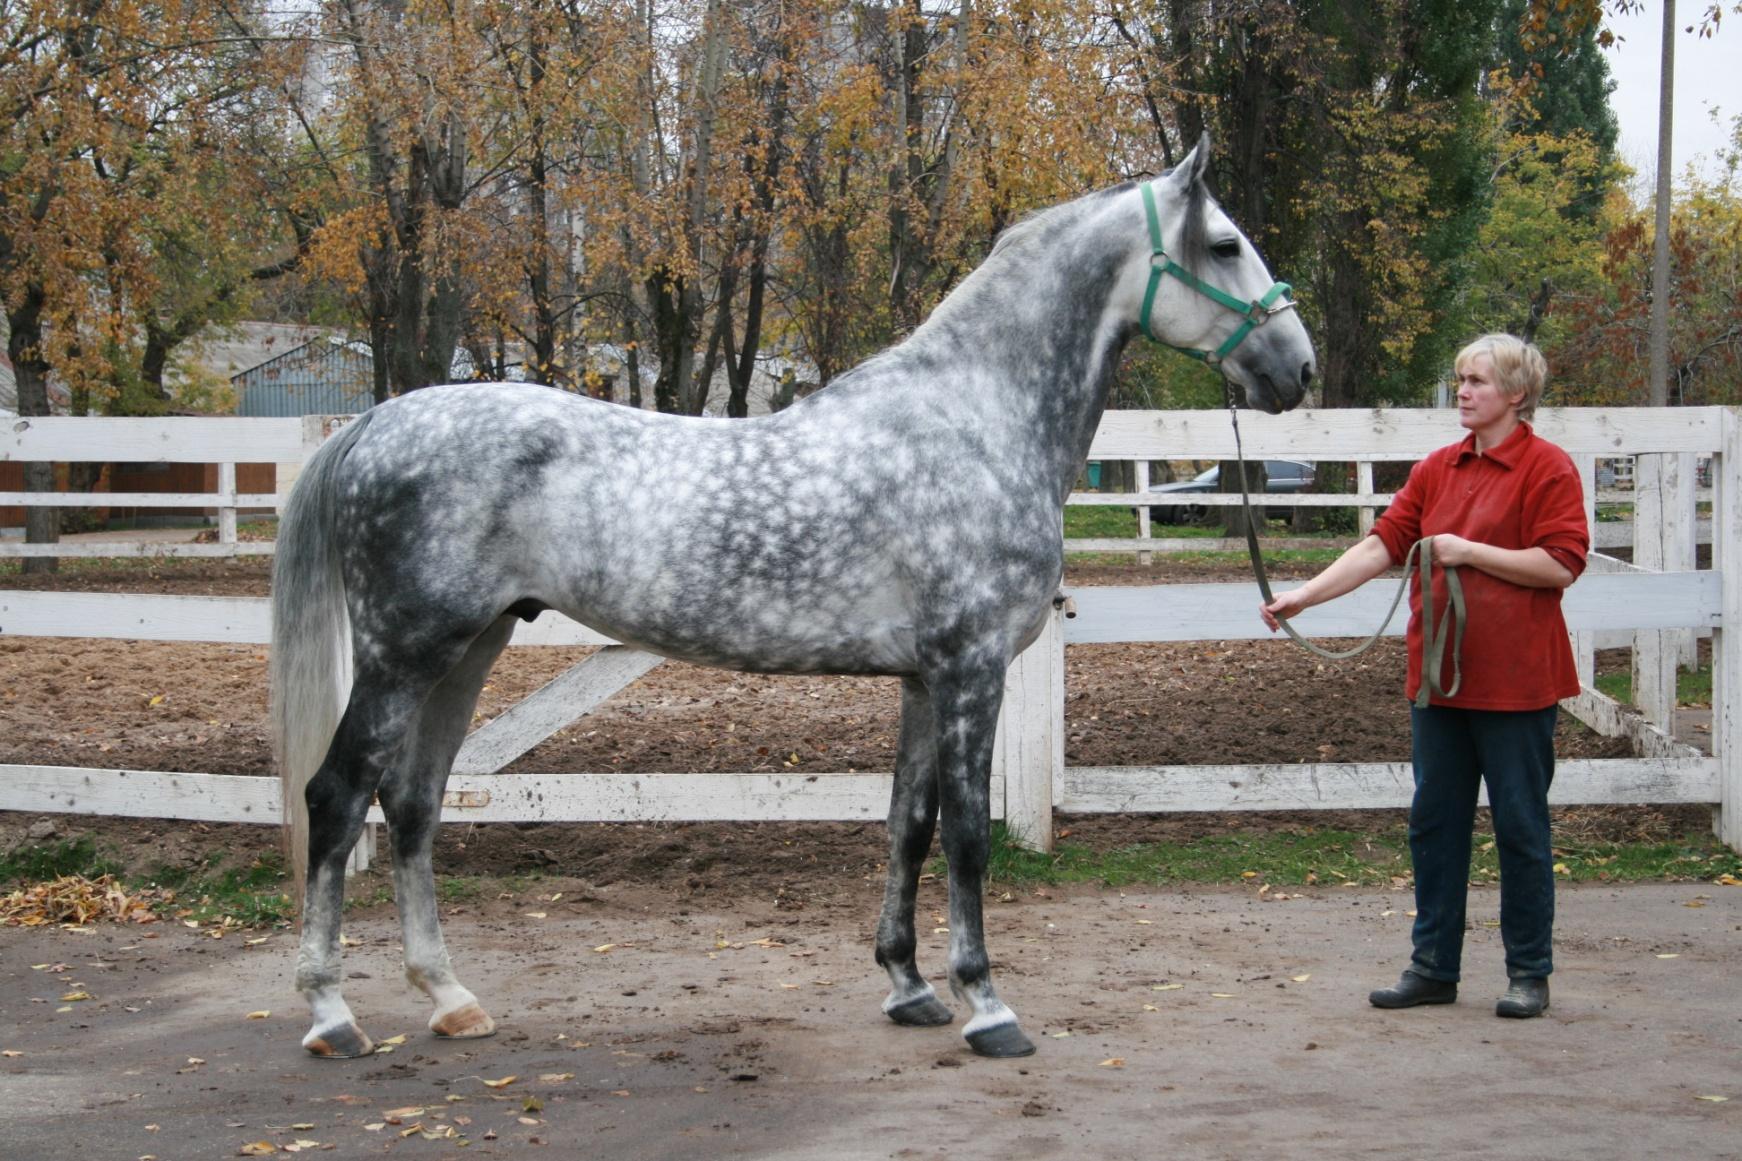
<point>904,521</point>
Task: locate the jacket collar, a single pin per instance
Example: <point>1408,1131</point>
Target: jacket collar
<point>1507,453</point>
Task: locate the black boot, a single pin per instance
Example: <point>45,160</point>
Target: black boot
<point>1412,989</point>
<point>1524,999</point>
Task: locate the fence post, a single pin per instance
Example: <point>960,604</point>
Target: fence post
<point>226,503</point>
<point>1654,652</point>
<point>1584,643</point>
<point>1029,749</point>
<point>1141,486</point>
<point>1727,637</point>
<point>1364,485</point>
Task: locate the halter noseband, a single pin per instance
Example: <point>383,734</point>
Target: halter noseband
<point>1256,312</point>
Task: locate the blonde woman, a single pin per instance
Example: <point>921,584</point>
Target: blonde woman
<point>1504,507</point>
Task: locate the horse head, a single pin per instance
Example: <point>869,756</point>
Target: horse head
<point>1209,295</point>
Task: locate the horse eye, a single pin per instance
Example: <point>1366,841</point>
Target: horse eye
<point>1227,249</point>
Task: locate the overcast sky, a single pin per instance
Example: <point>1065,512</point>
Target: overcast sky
<point>1702,82</point>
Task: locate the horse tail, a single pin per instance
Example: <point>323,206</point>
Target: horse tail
<point>310,660</point>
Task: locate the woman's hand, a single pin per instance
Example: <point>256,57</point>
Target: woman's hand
<point>1284,606</point>
<point>1451,551</point>
<point>1361,563</point>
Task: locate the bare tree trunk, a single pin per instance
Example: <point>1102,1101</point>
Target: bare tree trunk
<point>24,348</point>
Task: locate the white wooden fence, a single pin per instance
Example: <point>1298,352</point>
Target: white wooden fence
<point>1660,596</point>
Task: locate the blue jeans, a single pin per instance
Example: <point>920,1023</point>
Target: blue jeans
<point>1455,750</point>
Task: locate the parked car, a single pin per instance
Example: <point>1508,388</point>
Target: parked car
<point>1284,477</point>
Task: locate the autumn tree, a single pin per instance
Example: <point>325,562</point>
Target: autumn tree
<point>117,195</point>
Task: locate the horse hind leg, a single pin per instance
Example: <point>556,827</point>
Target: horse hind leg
<point>381,707</point>
<point>913,815</point>
<point>965,701</point>
<point>411,799</point>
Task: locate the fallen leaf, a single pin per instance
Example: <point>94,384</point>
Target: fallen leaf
<point>1151,1008</point>
<point>260,1015</point>
<point>257,1149</point>
<point>1714,1098</point>
<point>72,996</point>
<point>1302,978</point>
<point>1669,955</point>
<point>1728,880</point>
<point>1562,869</point>
<point>304,1127</point>
<point>1145,922</point>
<point>604,947</point>
<point>396,1116</point>
<point>393,1041</point>
<point>535,914</point>
<point>1165,987</point>
<point>1223,995</point>
<point>507,1080</point>
<point>556,1077</point>
<point>1113,1062</point>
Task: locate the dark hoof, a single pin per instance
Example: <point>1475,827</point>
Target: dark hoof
<point>340,1044</point>
<point>921,1012</point>
<point>1000,1041</point>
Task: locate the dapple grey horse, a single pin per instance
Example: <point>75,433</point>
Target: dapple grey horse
<point>903,521</point>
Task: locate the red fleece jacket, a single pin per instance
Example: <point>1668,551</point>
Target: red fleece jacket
<point>1523,494</point>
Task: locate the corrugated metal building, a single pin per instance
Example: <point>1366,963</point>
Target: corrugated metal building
<point>327,376</point>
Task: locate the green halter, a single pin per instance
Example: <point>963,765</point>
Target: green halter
<point>1256,312</point>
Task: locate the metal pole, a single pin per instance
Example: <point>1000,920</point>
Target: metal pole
<point>1659,384</point>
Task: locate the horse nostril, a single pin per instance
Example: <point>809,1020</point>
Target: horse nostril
<point>1306,375</point>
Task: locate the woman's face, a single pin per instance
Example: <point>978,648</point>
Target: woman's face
<point>1482,404</point>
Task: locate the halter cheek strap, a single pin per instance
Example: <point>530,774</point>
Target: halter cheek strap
<point>1256,311</point>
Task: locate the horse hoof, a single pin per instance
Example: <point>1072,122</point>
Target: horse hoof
<point>920,1012</point>
<point>467,1023</point>
<point>344,1043</point>
<point>1001,1041</point>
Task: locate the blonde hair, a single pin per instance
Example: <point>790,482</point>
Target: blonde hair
<point>1519,368</point>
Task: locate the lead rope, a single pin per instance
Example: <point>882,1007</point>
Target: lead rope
<point>1433,640</point>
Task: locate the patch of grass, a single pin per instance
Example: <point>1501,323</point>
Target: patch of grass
<point>34,864</point>
<point>1332,857</point>
<point>1692,687</point>
<point>1095,521</point>
<point>254,895</point>
<point>459,888</point>
<point>1291,858</point>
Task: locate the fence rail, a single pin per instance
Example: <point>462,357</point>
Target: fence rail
<point>1660,597</point>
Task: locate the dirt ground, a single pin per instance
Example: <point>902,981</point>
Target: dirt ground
<point>734,1013</point>
<point>1189,1024</point>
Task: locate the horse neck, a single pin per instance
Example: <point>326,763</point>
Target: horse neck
<point>1038,325</point>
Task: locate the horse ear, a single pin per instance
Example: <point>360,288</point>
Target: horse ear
<point>1194,168</point>
<point>1197,162</point>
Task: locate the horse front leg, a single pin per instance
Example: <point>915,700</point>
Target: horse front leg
<point>913,816</point>
<point>965,704</point>
<point>411,800</point>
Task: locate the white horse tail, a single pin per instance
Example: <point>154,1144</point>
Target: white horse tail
<point>310,661</point>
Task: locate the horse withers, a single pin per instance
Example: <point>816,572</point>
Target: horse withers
<point>903,521</point>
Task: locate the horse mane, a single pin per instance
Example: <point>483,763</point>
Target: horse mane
<point>1194,242</point>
